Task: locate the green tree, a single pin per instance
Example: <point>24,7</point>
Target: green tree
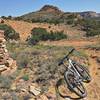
<point>9,32</point>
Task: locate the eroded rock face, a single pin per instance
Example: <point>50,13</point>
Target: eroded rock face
<point>6,62</point>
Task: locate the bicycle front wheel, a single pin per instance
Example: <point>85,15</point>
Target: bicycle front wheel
<point>73,85</point>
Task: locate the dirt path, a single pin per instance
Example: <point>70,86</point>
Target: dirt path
<point>93,89</point>
<point>74,43</point>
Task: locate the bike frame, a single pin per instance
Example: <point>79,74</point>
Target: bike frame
<point>73,70</point>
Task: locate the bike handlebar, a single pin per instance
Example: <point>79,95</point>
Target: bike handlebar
<point>66,57</point>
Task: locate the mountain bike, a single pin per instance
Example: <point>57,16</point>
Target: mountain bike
<point>75,74</point>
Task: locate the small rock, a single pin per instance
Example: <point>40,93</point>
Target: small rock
<point>3,68</point>
<point>43,97</point>
<point>67,99</point>
<point>34,90</point>
<point>32,99</point>
<point>3,46</point>
<point>13,86</point>
<point>10,61</point>
<point>5,50</point>
<point>23,90</point>
<point>51,96</point>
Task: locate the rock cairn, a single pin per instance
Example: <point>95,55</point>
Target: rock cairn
<point>7,64</point>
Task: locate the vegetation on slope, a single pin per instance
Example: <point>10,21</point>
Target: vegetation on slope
<point>91,26</point>
<point>42,61</point>
<point>41,34</point>
<point>9,32</point>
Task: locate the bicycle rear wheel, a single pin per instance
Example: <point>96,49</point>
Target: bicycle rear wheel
<point>73,85</point>
<point>84,72</point>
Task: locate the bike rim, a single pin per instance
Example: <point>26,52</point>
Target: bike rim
<point>78,88</point>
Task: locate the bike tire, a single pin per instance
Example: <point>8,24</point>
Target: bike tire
<point>82,93</point>
<point>84,72</point>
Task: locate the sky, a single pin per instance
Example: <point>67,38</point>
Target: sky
<point>20,7</point>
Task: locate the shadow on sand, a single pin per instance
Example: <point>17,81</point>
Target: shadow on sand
<point>59,82</point>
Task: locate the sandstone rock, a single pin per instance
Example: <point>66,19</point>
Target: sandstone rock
<point>3,68</point>
<point>10,61</point>
<point>44,97</point>
<point>2,40</point>
<point>34,90</point>
<point>7,64</point>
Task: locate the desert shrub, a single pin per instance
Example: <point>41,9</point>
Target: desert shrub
<point>56,36</point>
<point>25,77</point>
<point>23,61</point>
<point>9,17</point>
<point>50,21</point>
<point>93,47</point>
<point>40,34</point>
<point>5,82</point>
<point>14,96</point>
<point>92,27</point>
<point>9,32</point>
<point>71,21</point>
<point>18,18</point>
<point>92,32</point>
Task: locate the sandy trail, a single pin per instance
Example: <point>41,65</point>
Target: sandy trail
<point>93,89</point>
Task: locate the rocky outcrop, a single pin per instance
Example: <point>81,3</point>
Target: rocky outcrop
<point>50,8</point>
<point>89,14</point>
<point>1,20</point>
<point>7,64</point>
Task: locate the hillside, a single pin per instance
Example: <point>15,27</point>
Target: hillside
<point>52,14</point>
<point>24,28</point>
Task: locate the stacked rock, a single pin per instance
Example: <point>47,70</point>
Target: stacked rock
<point>5,61</point>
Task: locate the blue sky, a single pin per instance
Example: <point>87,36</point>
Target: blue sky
<point>20,7</point>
